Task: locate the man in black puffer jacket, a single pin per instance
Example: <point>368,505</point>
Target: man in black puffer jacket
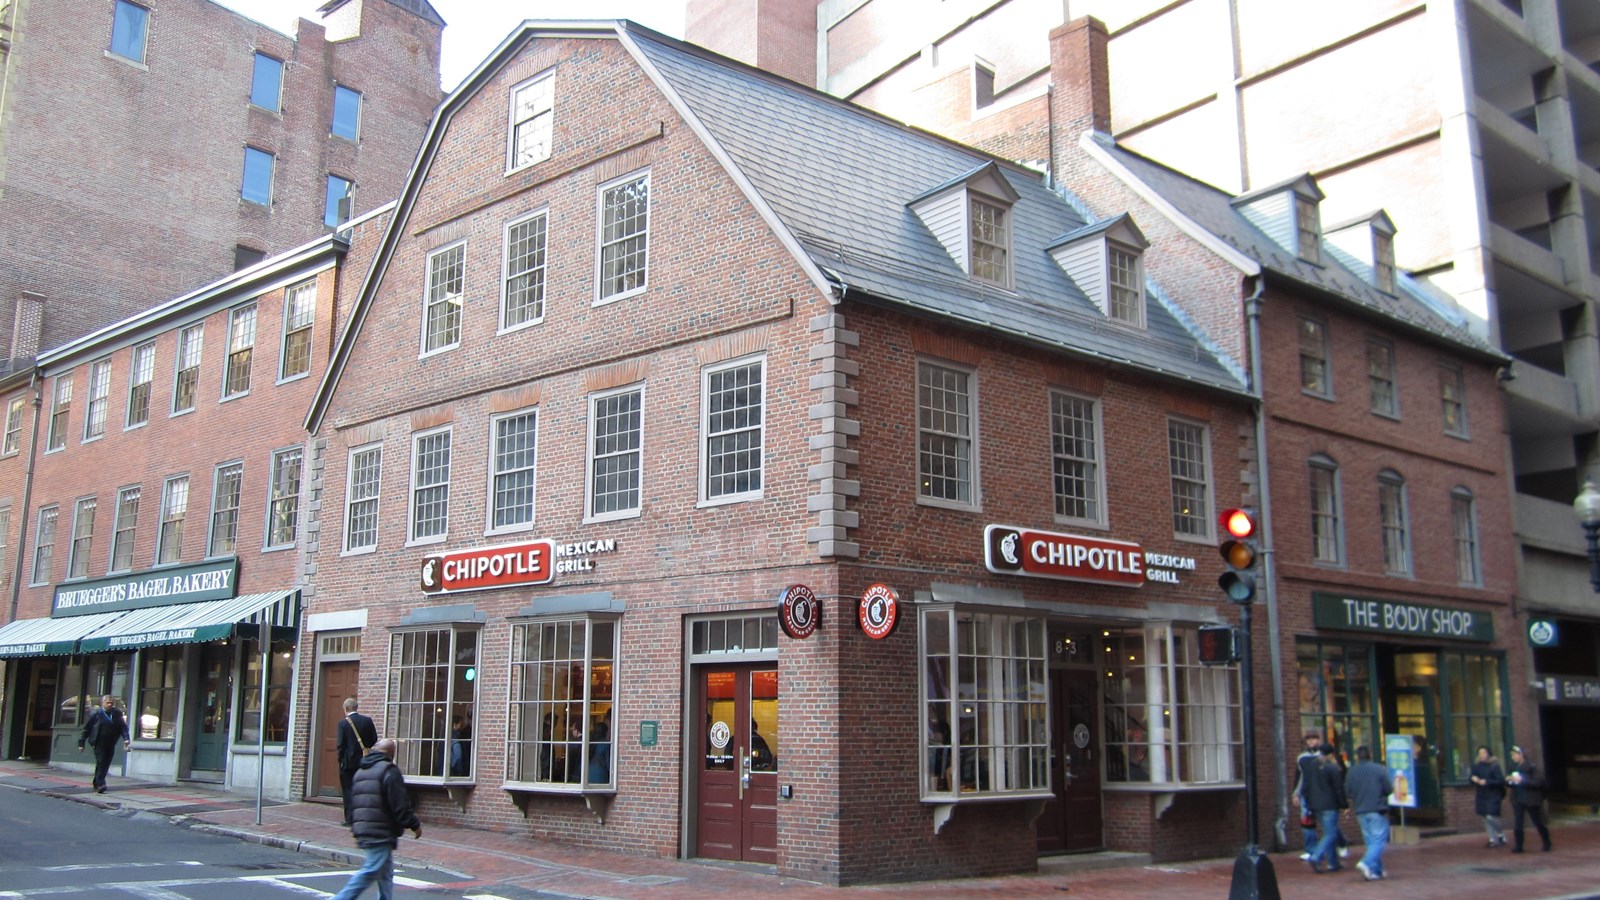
<point>381,812</point>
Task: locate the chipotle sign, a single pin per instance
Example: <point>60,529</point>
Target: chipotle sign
<point>1010,550</point>
<point>489,567</point>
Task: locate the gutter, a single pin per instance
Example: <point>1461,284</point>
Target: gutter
<point>35,384</point>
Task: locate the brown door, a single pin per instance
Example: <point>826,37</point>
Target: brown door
<point>41,715</point>
<point>1071,821</point>
<point>338,682</point>
<point>737,793</point>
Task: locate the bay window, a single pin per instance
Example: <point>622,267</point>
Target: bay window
<point>433,678</point>
<point>1169,719</point>
<point>563,690</point>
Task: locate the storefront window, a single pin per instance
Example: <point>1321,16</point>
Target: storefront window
<point>984,704</point>
<point>563,684</point>
<point>1336,693</point>
<point>85,679</point>
<point>280,671</point>
<point>71,685</point>
<point>159,677</point>
<point>433,681</point>
<point>1169,719</point>
<point>1475,705</point>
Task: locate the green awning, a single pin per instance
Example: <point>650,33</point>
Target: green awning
<point>51,637</point>
<point>189,623</point>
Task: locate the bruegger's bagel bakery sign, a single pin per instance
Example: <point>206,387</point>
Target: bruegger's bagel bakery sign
<point>1013,550</point>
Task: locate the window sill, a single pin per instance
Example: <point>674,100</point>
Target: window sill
<point>596,798</point>
<point>254,750</point>
<point>126,60</point>
<point>1032,804</point>
<point>1169,787</point>
<point>153,744</point>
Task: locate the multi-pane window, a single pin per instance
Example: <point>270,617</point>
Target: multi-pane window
<point>624,235</point>
<point>299,312</point>
<point>1383,261</point>
<point>991,243</point>
<point>1338,697</point>
<point>522,293</point>
<point>225,510</point>
<point>346,113</point>
<point>1191,480</point>
<point>1126,284</point>
<point>141,373</point>
<point>186,379</point>
<point>1307,229</point>
<point>337,202</point>
<point>266,82</point>
<point>128,28</point>
<point>13,438</point>
<point>734,418</point>
<point>280,673</point>
<point>174,506</point>
<point>1075,452</point>
<point>1452,400</point>
<point>616,433</point>
<point>82,538</point>
<point>94,419</point>
<point>160,674</point>
<point>60,409</point>
<point>126,527</point>
<point>984,710</point>
<point>283,497</point>
<point>430,485</point>
<point>432,701</point>
<point>361,498</point>
<point>563,689</point>
<point>241,348</point>
<point>944,435</point>
<point>511,479</point>
<point>1168,717</point>
<point>1380,378</point>
<point>1476,707</point>
<point>1314,357</point>
<point>532,121</point>
<point>1464,526</point>
<point>441,316</point>
<point>44,544</point>
<point>256,184</point>
<point>1327,545</point>
<point>1393,520</point>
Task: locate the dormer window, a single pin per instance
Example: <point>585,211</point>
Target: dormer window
<point>1366,245</point>
<point>1106,261</point>
<point>1126,298</point>
<point>1288,213</point>
<point>1383,261</point>
<point>970,216</point>
<point>991,242</point>
<point>1308,230</point>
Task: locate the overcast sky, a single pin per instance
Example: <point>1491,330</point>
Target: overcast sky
<point>475,27</point>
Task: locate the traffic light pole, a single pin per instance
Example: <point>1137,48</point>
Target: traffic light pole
<point>1253,876</point>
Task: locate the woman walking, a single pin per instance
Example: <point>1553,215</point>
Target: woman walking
<point>1491,790</point>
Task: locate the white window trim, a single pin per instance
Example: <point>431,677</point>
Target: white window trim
<point>1465,494</point>
<point>229,351</point>
<point>1391,478</point>
<point>493,472</point>
<point>505,269</point>
<point>284,330</point>
<point>88,405</point>
<point>589,515</point>
<point>133,373</point>
<point>72,539</point>
<point>1465,431</point>
<point>116,528</point>
<point>455,629</point>
<point>1102,520</point>
<point>272,483</point>
<point>177,363</point>
<point>1312,253</point>
<point>161,518</point>
<point>50,422</point>
<point>349,481</point>
<point>974,451</point>
<point>1008,276</point>
<point>511,122</point>
<point>211,516</point>
<point>1327,356</point>
<point>601,299</point>
<point>587,703</point>
<point>55,541</point>
<point>411,489</point>
<point>1326,463</point>
<point>20,405</point>
<point>427,288</point>
<point>705,433</point>
<point>1140,301</point>
<point>1210,518</point>
<point>1394,377</point>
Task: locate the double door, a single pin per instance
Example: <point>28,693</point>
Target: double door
<point>736,807</point>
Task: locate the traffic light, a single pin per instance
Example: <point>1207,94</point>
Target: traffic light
<point>1238,550</point>
<point>1218,644</point>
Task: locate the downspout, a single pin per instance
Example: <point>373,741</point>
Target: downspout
<point>1252,312</point>
<point>34,385</point>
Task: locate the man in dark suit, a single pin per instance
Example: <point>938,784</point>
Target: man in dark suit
<point>356,737</point>
<point>101,731</point>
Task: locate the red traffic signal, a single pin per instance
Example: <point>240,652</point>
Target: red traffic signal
<point>1218,644</point>
<point>1238,523</point>
<point>1238,550</point>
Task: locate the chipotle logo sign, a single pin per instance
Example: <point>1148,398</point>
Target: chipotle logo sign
<point>1009,550</point>
<point>489,567</point>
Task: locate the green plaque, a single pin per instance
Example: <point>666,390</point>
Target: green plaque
<point>647,733</point>
<point>1378,615</point>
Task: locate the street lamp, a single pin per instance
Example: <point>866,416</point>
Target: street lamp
<point>1588,507</point>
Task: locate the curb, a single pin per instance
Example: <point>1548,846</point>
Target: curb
<point>297,845</point>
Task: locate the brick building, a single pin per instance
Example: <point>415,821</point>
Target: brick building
<point>657,343</point>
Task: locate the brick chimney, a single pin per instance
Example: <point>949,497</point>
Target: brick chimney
<point>1080,82</point>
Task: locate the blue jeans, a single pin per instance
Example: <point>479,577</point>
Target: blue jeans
<point>379,867</point>
<point>1375,834</point>
<point>1323,854</point>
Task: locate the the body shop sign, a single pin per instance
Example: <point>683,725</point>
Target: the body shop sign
<point>1009,550</point>
<point>508,565</point>
<point>1396,617</point>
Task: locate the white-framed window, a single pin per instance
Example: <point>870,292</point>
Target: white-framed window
<point>283,497</point>
<point>224,540</point>
<point>522,286</point>
<point>255,186</point>
<point>984,711</point>
<point>441,302</point>
<point>429,513</point>
<point>513,462</point>
<point>1395,523</point>
<point>126,528</point>
<point>1075,451</point>
<point>1314,357</point>
<point>1453,400</point>
<point>94,418</point>
<point>346,113</point>
<point>129,26</point>
<point>299,314</point>
<point>174,507</point>
<point>1464,526</point>
<point>433,701</point>
<point>241,348</point>
<point>141,373</point>
<point>1169,719</point>
<point>616,453</point>
<point>563,694</point>
<point>1381,391</point>
<point>1307,230</point>
<point>1383,261</point>
<point>1125,281</point>
<point>13,438</point>
<point>60,410</point>
<point>362,480</point>
<point>990,232</point>
<point>82,538</point>
<point>186,377</point>
<point>1189,459</point>
<point>946,433</point>
<point>1327,522</point>
<point>532,121</point>
<point>266,83</point>
<point>733,420</point>
<point>624,236</point>
<point>44,543</point>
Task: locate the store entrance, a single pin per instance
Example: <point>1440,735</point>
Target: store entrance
<point>1071,821</point>
<point>736,711</point>
<point>339,681</point>
<point>209,755</point>
<point>41,678</point>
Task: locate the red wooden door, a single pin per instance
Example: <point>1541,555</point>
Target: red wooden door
<point>737,790</point>
<point>1072,820</point>
<point>338,682</point>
